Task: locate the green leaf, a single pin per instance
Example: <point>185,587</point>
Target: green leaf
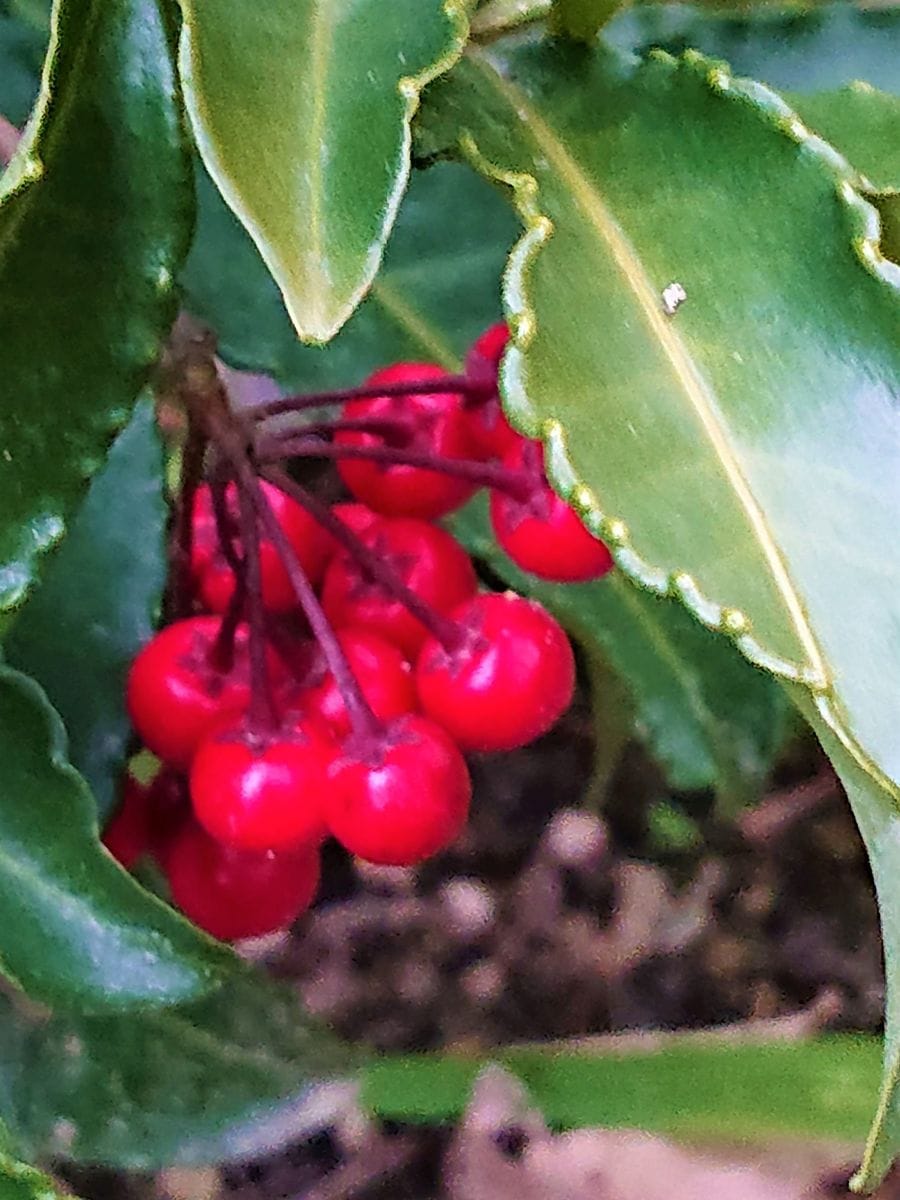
<point>581,19</point>
<point>18,1181</point>
<point>743,452</point>
<point>710,718</point>
<point>438,288</point>
<point>75,929</point>
<point>312,153</point>
<point>679,1085</point>
<point>862,122</point>
<point>95,608</point>
<point>94,214</point>
<point>235,1075</point>
<point>799,49</point>
<point>878,818</point>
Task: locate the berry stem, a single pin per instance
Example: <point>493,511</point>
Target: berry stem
<point>518,484</point>
<point>400,428</point>
<point>221,653</point>
<point>180,597</point>
<point>363,720</point>
<point>457,384</point>
<point>446,631</point>
<point>261,717</point>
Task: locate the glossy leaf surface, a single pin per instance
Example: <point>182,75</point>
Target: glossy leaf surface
<point>743,451</point>
<point>96,605</point>
<point>232,1076</point>
<point>94,216</point>
<point>76,930</point>
<point>312,153</point>
<point>710,718</point>
<point>438,288</point>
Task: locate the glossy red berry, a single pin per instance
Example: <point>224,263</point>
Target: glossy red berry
<point>235,894</point>
<point>430,562</point>
<point>381,671</point>
<point>542,534</point>
<point>403,800</point>
<point>490,434</point>
<point>510,678</point>
<point>262,793</point>
<point>175,692</point>
<point>435,424</point>
<point>358,518</point>
<point>215,578</point>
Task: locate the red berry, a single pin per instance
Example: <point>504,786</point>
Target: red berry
<point>127,834</point>
<point>214,576</point>
<point>437,425</point>
<point>490,434</point>
<point>430,562</point>
<point>382,673</point>
<point>403,800</point>
<point>358,518</point>
<point>510,678</point>
<point>176,694</point>
<point>236,894</point>
<point>543,534</point>
<point>262,793</point>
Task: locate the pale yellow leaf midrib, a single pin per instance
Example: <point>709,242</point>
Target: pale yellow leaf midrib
<point>692,383</point>
<point>321,31</point>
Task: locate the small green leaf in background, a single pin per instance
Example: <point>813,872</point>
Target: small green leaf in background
<point>438,289</point>
<point>862,123</point>
<point>232,1076</point>
<point>95,212</point>
<point>75,929</point>
<point>709,718</point>
<point>21,53</point>
<point>678,1085</point>
<point>95,607</point>
<point>311,150</point>
<point>21,1182</point>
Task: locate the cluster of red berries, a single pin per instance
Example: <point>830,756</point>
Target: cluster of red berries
<point>336,662</point>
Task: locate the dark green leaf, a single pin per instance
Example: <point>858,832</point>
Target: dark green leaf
<point>863,124</point>
<point>679,1086</point>
<point>312,153</point>
<point>96,605</point>
<point>711,719</point>
<point>75,929</point>
<point>232,1076</point>
<point>742,452</point>
<point>438,289</point>
<point>800,49</point>
<point>94,214</point>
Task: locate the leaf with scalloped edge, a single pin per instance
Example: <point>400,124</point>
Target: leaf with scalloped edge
<point>312,153</point>
<point>95,213</point>
<point>76,931</point>
<point>807,49</point>
<point>741,450</point>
